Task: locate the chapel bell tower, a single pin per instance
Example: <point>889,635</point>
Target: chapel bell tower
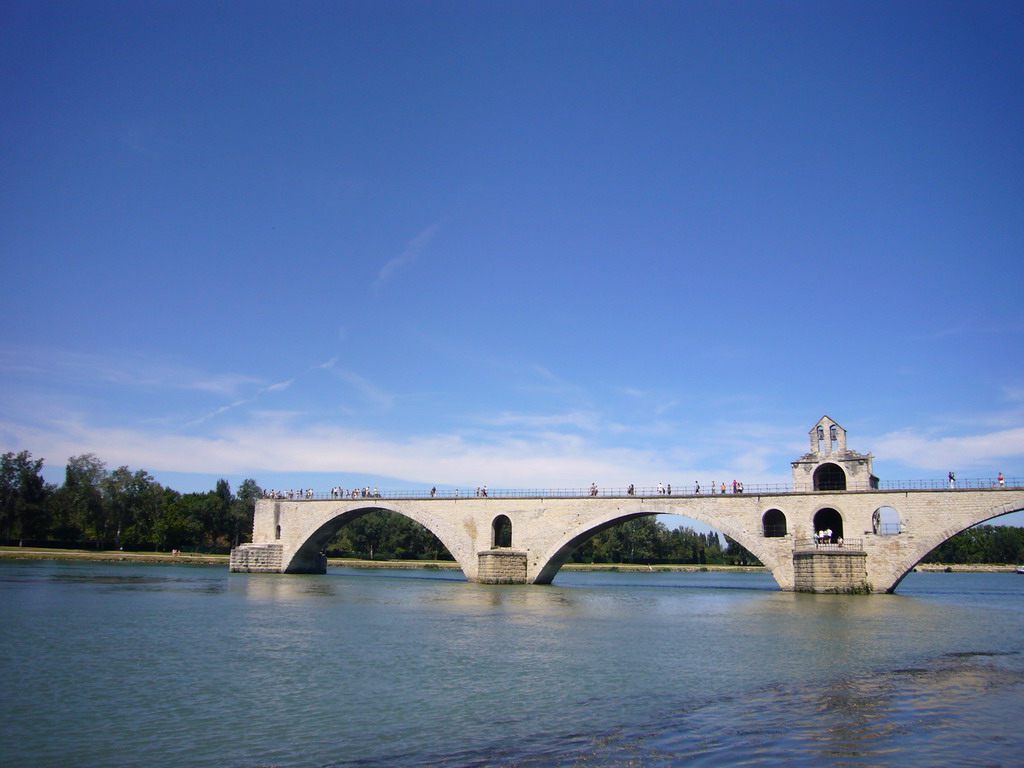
<point>830,465</point>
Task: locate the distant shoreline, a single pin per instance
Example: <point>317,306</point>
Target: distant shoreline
<point>37,553</point>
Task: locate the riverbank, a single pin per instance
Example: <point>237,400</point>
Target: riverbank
<point>39,553</point>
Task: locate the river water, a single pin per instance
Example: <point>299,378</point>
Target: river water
<point>109,664</point>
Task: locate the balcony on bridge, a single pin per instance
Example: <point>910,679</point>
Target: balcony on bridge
<point>812,545</point>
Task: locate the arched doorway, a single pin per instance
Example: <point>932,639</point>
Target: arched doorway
<point>829,519</point>
<point>829,477</point>
<point>773,524</point>
<point>501,532</point>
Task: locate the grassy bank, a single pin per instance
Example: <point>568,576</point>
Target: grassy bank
<point>39,553</point>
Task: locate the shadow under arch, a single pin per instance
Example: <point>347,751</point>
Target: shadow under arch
<point>927,544</point>
<point>562,551</point>
<point>308,554</point>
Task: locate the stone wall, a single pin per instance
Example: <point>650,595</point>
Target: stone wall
<point>256,558</point>
<point>830,571</point>
<point>502,566</point>
<point>546,531</point>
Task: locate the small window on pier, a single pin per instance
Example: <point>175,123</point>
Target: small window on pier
<point>277,533</point>
<point>773,524</point>
<point>502,530</point>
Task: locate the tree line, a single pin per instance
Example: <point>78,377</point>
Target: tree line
<point>125,509</point>
<point>983,544</point>
<point>383,535</point>
<point>118,509</point>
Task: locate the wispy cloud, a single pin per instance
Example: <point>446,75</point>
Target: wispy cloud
<point>278,387</point>
<point>411,253</point>
<point>371,392</point>
<point>583,420</point>
<point>549,461</point>
<point>938,453</point>
<point>125,369</point>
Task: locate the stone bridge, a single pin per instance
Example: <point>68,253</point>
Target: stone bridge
<point>506,539</point>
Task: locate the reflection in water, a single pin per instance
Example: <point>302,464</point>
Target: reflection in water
<point>361,668</point>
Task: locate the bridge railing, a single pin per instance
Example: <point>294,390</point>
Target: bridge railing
<point>643,492</point>
<point>834,545</point>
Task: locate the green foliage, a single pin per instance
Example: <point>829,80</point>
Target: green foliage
<point>383,535</point>
<point>121,508</point>
<point>85,511</point>
<point>134,504</point>
<point>982,544</point>
<point>23,493</point>
<point>648,540</point>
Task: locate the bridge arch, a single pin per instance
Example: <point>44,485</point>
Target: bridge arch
<point>773,553</point>
<point>311,540</point>
<point>925,544</point>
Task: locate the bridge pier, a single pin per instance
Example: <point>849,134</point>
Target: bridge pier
<point>831,570</point>
<point>501,566</point>
<point>257,558</point>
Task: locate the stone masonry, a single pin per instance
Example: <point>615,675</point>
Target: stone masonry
<point>548,530</point>
<point>502,566</point>
<point>257,558</point>
<point>289,535</point>
<point>830,571</point>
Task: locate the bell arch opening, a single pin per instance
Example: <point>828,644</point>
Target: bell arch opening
<point>501,532</point>
<point>830,522</point>
<point>773,524</point>
<point>829,477</point>
<point>886,521</point>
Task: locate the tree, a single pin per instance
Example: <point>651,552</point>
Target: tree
<point>242,510</point>
<point>132,500</point>
<point>737,554</point>
<point>381,534</point>
<point>175,526</point>
<point>23,492</point>
<point>83,481</point>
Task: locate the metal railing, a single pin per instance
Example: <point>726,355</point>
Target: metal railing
<point>834,545</point>
<point>643,492</point>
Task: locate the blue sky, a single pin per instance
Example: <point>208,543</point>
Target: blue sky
<point>528,245</point>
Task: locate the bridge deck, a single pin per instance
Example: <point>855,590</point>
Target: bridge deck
<point>645,492</point>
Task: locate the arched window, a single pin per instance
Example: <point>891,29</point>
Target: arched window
<point>829,477</point>
<point>885,521</point>
<point>829,519</point>
<point>501,530</point>
<point>773,524</point>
